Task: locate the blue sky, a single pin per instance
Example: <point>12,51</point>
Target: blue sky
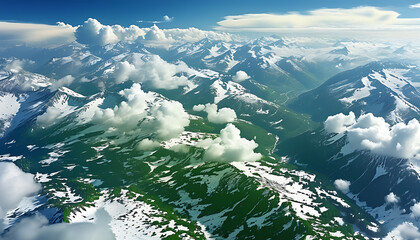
<point>188,13</point>
<point>35,22</point>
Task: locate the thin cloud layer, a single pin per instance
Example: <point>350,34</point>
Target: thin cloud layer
<point>364,18</point>
<point>165,19</point>
<point>415,5</point>
<point>38,35</point>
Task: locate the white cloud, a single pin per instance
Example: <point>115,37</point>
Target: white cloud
<point>230,147</point>
<point>221,116</point>
<point>373,133</point>
<point>415,210</point>
<point>55,112</point>
<point>391,198</point>
<point>404,231</point>
<point>15,66</point>
<point>147,145</point>
<point>126,116</point>
<point>94,33</point>
<point>199,107</point>
<point>152,71</point>
<point>342,185</point>
<point>415,5</point>
<point>166,18</point>
<point>166,119</point>
<point>14,186</point>
<point>240,76</point>
<point>364,19</point>
<point>339,123</point>
<point>64,81</point>
<point>38,35</point>
<point>38,228</point>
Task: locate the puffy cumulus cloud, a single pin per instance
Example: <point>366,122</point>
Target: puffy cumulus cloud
<point>14,186</point>
<point>339,123</point>
<point>365,19</point>
<point>37,228</point>
<point>415,210</point>
<point>168,119</point>
<point>166,18</point>
<point>152,71</point>
<point>240,76</point>
<point>230,147</point>
<point>342,185</point>
<point>404,231</point>
<point>199,107</point>
<point>373,133</point>
<point>37,35</point>
<point>221,116</point>
<point>391,198</point>
<point>64,81</point>
<point>94,33</point>
<point>126,116</point>
<point>147,145</point>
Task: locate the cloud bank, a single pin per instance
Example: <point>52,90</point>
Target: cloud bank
<point>372,133</point>
<point>230,147</point>
<point>92,32</point>
<point>221,116</point>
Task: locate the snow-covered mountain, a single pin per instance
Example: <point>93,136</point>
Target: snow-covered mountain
<point>384,89</point>
<point>197,141</point>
